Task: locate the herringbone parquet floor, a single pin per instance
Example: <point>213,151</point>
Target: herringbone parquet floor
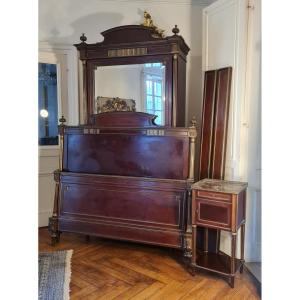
<point>106,269</point>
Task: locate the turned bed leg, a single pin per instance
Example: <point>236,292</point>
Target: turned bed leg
<point>53,229</point>
<point>53,221</point>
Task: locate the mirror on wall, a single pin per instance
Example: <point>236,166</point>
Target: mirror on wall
<point>134,87</point>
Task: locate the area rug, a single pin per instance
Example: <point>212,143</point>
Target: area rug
<point>54,275</point>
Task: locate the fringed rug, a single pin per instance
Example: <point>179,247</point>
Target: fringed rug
<point>54,275</point>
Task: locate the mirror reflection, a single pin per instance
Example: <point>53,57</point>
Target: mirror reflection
<point>135,87</point>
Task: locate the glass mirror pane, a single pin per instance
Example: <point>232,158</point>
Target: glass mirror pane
<point>158,103</point>
<point>158,120</point>
<point>134,87</point>
<point>48,109</point>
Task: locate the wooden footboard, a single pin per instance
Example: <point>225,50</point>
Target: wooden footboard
<point>127,208</point>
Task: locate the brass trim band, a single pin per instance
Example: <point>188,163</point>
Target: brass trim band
<point>126,52</point>
<point>175,84</point>
<point>155,132</point>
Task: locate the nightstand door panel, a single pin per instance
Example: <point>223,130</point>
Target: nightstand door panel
<point>213,213</point>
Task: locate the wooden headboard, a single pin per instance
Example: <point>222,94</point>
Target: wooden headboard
<point>140,152</point>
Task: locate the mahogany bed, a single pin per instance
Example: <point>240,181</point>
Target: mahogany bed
<point>125,178</point>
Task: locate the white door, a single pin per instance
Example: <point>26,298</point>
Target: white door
<point>52,104</point>
<point>229,34</point>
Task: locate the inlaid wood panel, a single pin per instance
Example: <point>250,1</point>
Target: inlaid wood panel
<point>213,213</point>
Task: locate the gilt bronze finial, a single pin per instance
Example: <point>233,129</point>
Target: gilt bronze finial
<point>83,38</point>
<point>194,121</point>
<point>175,30</point>
<point>62,120</point>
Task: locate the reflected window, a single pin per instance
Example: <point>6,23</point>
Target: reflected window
<point>154,91</point>
<point>48,104</point>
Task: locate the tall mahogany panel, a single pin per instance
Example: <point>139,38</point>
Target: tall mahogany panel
<point>221,123</point>
<point>216,101</point>
<point>207,126</point>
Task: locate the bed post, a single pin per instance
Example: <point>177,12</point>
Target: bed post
<point>192,133</point>
<point>53,221</point>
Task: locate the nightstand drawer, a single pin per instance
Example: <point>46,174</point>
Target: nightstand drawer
<point>214,196</point>
<point>212,213</point>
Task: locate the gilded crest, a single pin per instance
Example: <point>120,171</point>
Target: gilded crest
<point>148,22</point>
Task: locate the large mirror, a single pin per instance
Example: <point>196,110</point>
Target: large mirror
<point>134,87</point>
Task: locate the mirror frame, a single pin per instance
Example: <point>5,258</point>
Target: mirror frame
<point>137,44</point>
<point>166,60</point>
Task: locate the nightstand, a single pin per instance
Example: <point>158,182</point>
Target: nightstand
<point>221,205</point>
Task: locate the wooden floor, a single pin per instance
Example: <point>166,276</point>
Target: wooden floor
<point>106,269</point>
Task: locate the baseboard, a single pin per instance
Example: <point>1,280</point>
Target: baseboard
<point>255,279</point>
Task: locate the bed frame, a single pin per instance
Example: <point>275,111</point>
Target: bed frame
<point>123,177</point>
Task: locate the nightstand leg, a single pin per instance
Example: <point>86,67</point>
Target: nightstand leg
<point>231,281</point>
<point>233,250</point>
<point>242,247</point>
<point>194,243</point>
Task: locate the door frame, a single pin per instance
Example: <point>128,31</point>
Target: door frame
<point>70,52</point>
<point>67,105</point>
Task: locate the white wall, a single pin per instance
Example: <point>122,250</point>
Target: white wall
<point>232,38</point>
<point>252,117</point>
<point>63,21</point>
